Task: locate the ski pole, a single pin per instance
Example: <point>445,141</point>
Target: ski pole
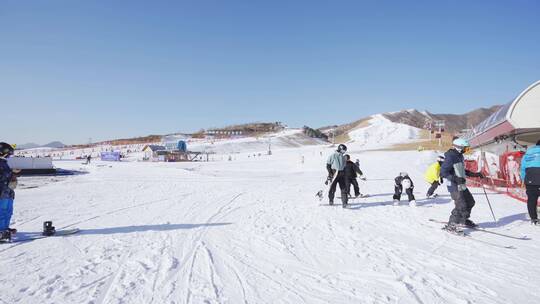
<point>487,199</point>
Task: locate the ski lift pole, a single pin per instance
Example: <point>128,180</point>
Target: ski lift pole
<point>489,204</point>
<point>483,157</point>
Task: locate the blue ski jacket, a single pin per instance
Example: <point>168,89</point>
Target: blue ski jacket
<point>5,177</point>
<point>530,166</point>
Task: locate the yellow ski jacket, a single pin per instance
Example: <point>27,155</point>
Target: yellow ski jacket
<point>433,173</point>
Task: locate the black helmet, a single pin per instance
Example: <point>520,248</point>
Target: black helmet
<point>5,149</point>
<point>342,148</point>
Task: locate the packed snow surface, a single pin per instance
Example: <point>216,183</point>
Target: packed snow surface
<point>251,231</point>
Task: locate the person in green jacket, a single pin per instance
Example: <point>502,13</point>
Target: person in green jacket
<point>336,164</point>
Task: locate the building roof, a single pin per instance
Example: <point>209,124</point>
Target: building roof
<point>518,116</point>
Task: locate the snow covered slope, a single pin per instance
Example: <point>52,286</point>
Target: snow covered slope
<point>288,138</point>
<point>251,231</point>
<point>381,133</point>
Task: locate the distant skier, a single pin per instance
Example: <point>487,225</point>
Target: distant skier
<point>453,170</point>
<point>336,164</point>
<point>512,168</point>
<point>352,170</point>
<point>433,176</point>
<point>88,159</point>
<point>8,182</point>
<point>403,181</point>
<point>530,173</point>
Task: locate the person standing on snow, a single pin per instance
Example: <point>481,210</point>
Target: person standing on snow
<point>336,163</point>
<point>403,181</point>
<point>453,170</point>
<point>530,173</point>
<point>433,176</point>
<point>351,171</point>
<point>8,182</point>
<point>512,169</point>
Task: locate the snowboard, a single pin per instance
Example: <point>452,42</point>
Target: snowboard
<point>26,237</point>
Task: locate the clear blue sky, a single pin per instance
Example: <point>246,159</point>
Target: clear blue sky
<point>71,70</point>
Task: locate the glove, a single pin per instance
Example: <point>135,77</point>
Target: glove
<point>328,179</point>
<point>363,178</point>
<point>13,183</point>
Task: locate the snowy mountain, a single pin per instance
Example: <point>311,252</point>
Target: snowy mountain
<point>453,122</point>
<point>405,122</point>
<point>27,146</point>
<point>53,144</point>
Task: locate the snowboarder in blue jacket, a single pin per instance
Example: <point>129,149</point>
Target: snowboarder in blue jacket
<point>453,170</point>
<point>530,174</point>
<point>8,182</point>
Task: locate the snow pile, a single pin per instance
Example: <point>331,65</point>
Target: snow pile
<point>382,133</point>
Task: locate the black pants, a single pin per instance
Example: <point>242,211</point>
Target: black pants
<point>354,183</point>
<point>343,182</point>
<point>398,190</point>
<point>464,202</point>
<point>533,192</point>
<point>433,187</point>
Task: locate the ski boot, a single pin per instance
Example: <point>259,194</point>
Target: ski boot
<point>412,203</point>
<point>453,228</point>
<point>48,228</point>
<point>470,224</point>
<point>535,222</point>
<point>331,202</point>
<point>396,202</point>
<point>5,236</point>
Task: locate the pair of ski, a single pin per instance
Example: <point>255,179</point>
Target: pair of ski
<point>467,234</point>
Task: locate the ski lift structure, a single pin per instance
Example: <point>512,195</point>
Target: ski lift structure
<point>436,128</point>
<point>500,141</point>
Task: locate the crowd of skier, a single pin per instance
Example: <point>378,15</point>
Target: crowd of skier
<point>449,167</point>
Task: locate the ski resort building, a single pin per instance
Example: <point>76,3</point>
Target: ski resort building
<point>500,141</point>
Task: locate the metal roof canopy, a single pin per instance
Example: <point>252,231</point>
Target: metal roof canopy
<point>519,119</point>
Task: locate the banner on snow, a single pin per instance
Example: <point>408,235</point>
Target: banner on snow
<point>110,156</point>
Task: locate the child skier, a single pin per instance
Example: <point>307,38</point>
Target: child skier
<point>403,181</point>
<point>352,170</point>
<point>433,176</point>
<point>8,182</point>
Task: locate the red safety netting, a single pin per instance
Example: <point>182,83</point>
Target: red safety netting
<point>502,174</point>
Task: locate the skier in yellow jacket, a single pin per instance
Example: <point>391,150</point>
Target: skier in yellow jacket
<point>433,177</point>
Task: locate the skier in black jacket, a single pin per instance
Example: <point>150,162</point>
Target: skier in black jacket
<point>351,172</point>
<point>403,181</point>
<point>453,170</point>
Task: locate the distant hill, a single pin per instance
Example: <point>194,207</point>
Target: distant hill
<point>53,144</point>
<point>27,146</point>
<point>454,123</point>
